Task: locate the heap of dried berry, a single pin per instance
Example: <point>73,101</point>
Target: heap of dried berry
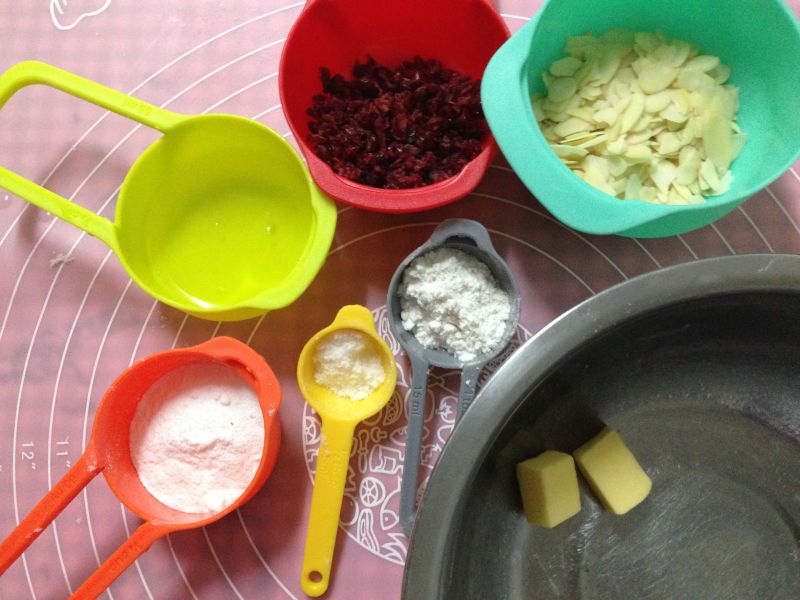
<point>401,127</point>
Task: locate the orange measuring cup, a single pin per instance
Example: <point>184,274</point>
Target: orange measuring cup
<point>108,451</point>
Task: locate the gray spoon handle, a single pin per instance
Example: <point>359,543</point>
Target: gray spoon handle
<point>466,393</point>
<point>416,417</point>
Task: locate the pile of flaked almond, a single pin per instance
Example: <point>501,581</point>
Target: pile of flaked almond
<point>642,117</point>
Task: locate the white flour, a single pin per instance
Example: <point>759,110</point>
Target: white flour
<point>450,300</point>
<point>197,437</point>
<point>347,364</point>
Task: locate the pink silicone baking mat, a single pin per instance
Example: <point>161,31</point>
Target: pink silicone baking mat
<point>71,320</point>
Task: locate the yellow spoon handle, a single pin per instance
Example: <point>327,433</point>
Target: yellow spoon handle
<point>326,504</point>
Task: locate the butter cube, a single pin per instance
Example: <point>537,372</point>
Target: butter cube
<point>549,487</point>
<point>613,472</point>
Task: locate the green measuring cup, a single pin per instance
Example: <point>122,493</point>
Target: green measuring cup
<point>218,218</point>
<point>758,39</point>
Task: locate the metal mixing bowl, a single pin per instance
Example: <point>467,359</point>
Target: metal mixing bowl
<point>698,367</point>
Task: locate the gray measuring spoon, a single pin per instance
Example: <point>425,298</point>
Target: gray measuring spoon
<point>472,238</point>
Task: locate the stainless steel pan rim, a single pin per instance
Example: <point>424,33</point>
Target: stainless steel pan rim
<point>426,574</point>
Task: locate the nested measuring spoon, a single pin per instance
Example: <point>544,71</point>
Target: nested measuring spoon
<point>472,238</point>
<point>339,415</point>
<point>108,451</point>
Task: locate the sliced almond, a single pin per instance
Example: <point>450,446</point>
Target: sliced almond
<point>538,111</point>
<point>592,92</point>
<point>617,147</point>
<point>681,100</point>
<point>646,41</point>
<point>569,152</point>
<point>662,172</point>
<point>683,192</point>
<point>640,137</point>
<point>724,184</point>
<point>571,126</point>
<point>718,141</point>
<point>633,112</point>
<point>581,136</point>
<point>561,89</point>
<point>633,187</point>
<point>668,143</point>
<point>703,63</point>
<point>581,113</point>
<point>607,116</point>
<point>638,115</point>
<point>640,153</point>
<point>655,103</point>
<point>607,66</point>
<point>695,80</point>
<point>642,125</point>
<point>720,73</point>
<point>656,76</point>
<point>674,115</point>
<point>617,166</point>
<point>565,67</point>
<point>708,175</point>
<point>688,166</point>
<point>648,193</point>
<point>682,51</point>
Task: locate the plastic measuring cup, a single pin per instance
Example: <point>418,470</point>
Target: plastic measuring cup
<point>763,60</point>
<point>337,33</point>
<point>108,451</point>
<point>470,237</point>
<point>339,415</point>
<point>219,217</point>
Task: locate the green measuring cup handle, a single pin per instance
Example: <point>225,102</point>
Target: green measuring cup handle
<point>33,72</point>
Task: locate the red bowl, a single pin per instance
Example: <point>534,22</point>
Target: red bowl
<point>462,34</point>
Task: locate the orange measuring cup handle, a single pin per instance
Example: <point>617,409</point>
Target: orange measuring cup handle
<point>129,551</point>
<point>78,477</point>
<point>48,508</point>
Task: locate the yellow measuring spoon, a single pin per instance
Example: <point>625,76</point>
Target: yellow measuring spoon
<point>339,415</point>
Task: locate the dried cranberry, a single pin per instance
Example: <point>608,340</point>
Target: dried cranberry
<point>403,127</point>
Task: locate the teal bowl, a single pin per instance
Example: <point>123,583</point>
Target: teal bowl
<point>758,39</point>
